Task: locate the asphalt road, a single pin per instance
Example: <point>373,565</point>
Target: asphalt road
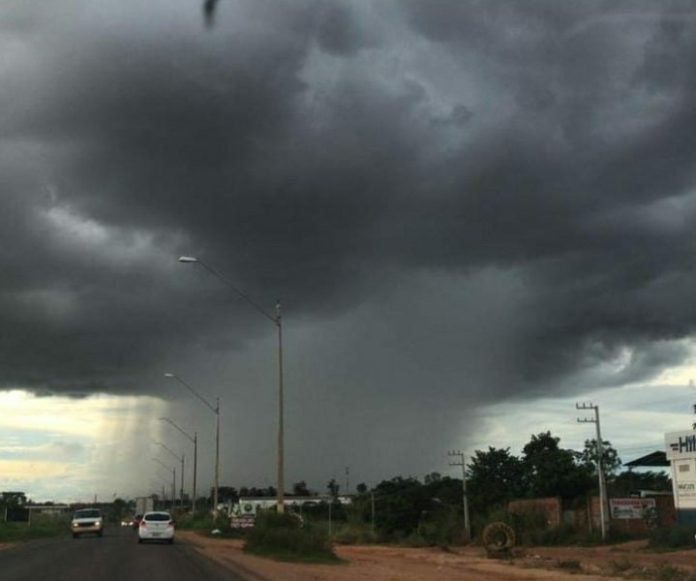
<point>114,557</point>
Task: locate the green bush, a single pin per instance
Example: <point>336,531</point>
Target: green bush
<point>203,522</point>
<point>282,537</point>
<point>442,527</point>
<point>481,521</point>
<point>355,534</point>
<point>676,537</point>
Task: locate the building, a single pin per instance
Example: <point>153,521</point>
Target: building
<point>681,452</point>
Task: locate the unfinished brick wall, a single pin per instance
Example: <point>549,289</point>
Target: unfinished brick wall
<point>549,507</point>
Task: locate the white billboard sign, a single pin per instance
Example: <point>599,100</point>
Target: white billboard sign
<point>680,445</point>
<point>681,452</point>
<point>631,508</point>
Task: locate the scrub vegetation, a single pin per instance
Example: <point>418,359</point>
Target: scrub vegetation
<point>285,538</point>
<point>40,527</point>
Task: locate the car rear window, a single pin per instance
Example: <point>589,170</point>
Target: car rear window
<point>160,516</point>
<point>87,514</point>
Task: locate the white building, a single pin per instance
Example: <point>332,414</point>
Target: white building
<point>681,452</point>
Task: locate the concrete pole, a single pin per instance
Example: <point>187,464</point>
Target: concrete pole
<point>195,471</point>
<point>603,512</point>
<point>372,502</point>
<point>181,491</point>
<point>281,436</point>
<point>217,461</point>
<point>602,481</point>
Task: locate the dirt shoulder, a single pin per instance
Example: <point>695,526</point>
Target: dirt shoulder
<point>382,563</point>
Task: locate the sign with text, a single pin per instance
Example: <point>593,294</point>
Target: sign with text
<point>246,521</point>
<point>680,444</point>
<point>631,508</point>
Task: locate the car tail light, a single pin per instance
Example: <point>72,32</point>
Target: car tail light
<point>170,524</point>
<point>142,523</point>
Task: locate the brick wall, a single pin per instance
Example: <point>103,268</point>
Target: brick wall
<point>549,507</point>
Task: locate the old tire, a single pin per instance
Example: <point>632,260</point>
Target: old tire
<point>498,537</point>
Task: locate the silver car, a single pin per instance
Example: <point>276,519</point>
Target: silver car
<point>87,520</point>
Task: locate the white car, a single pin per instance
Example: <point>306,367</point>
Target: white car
<point>87,520</point>
<point>156,526</point>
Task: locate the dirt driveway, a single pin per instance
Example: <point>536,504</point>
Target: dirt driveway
<point>380,563</point>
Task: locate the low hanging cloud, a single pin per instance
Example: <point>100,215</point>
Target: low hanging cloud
<point>456,201</point>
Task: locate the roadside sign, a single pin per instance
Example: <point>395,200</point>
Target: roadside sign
<point>631,508</point>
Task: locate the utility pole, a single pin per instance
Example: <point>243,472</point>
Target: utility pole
<point>331,500</point>
<point>181,491</point>
<point>465,499</point>
<point>347,479</point>
<point>600,464</point>
<point>173,487</point>
<point>194,440</point>
<point>216,411</point>
<point>372,503</point>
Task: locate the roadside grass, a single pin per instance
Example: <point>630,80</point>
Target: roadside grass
<point>198,523</point>
<point>349,533</point>
<point>205,525</point>
<point>282,538</point>
<point>40,528</point>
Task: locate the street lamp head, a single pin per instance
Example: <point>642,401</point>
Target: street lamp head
<point>169,375</point>
<point>187,259</point>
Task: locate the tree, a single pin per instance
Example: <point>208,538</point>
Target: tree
<point>400,504</point>
<point>493,478</point>
<point>361,488</point>
<point>13,499</point>
<point>228,494</point>
<point>610,457</point>
<point>119,507</point>
<point>630,481</point>
<point>300,488</point>
<point>553,471</point>
<point>333,487</point>
<point>432,477</point>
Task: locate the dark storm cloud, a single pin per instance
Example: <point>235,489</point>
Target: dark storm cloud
<point>333,154</point>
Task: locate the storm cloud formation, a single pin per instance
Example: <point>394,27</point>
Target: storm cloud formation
<point>456,201</point>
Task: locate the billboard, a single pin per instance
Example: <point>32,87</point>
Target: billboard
<point>681,452</point>
<point>680,445</point>
<point>631,508</point>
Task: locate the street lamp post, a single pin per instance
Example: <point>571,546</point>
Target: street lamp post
<point>180,459</point>
<point>173,478</point>
<point>194,440</point>
<point>216,411</point>
<point>277,320</point>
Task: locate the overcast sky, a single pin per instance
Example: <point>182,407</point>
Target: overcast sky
<point>472,212</point>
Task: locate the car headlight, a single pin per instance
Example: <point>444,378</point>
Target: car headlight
<point>74,524</point>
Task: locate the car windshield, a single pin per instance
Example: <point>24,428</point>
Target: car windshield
<point>158,516</point>
<point>91,513</point>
